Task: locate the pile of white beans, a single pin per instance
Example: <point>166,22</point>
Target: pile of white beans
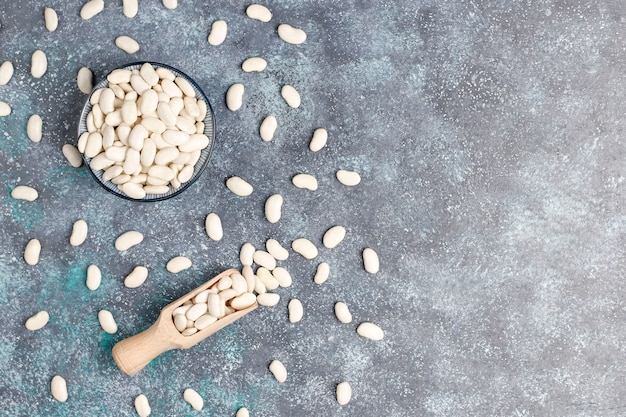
<point>145,134</point>
<point>145,131</point>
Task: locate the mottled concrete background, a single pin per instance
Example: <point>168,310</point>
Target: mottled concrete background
<point>489,136</point>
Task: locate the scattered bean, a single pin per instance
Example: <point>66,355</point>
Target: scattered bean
<point>304,247</point>
<point>218,32</point>
<point>107,322</point>
<point>5,109</point>
<point>278,370</point>
<point>319,139</point>
<point>72,155</point>
<point>305,181</point>
<point>128,239</point>
<point>178,264</point>
<point>264,259</point>
<point>295,310</point>
<point>142,406</point>
<point>32,251</point>
<point>39,64</point>
<point>91,8</point>
<point>24,192</point>
<point>79,233</point>
<point>239,186</point>
<point>268,299</point>
<point>370,260</point>
<point>194,399</point>
<point>51,19</point>
<point>130,8</point>
<point>246,254</point>
<point>254,64</point>
<point>291,96</point>
<point>370,331</point>
<point>84,80</point>
<point>342,312</point>
<point>170,4</point>
<point>213,226</point>
<point>259,12</point>
<point>276,250</point>
<point>137,277</point>
<point>6,72</point>
<point>94,277</point>
<point>291,34</point>
<point>243,412</point>
<point>234,96</point>
<point>282,276</point>
<point>268,128</point>
<point>344,393</point>
<point>37,321</point>
<point>58,388</point>
<point>334,236</point>
<point>127,44</point>
<point>322,273</point>
<point>273,206</point>
<point>349,178</point>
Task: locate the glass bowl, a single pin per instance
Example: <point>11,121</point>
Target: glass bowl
<point>199,167</point>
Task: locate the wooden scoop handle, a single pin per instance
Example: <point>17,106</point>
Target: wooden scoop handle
<point>135,352</point>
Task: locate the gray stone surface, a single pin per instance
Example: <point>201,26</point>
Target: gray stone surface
<point>489,139</point>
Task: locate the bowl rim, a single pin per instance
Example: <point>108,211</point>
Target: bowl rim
<point>208,151</point>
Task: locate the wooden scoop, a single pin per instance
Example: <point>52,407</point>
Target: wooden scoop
<point>135,352</point>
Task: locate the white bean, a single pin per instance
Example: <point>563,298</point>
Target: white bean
<point>343,393</point>
<point>349,178</point>
<point>128,239</point>
<point>243,301</point>
<point>242,412</point>
<point>196,142</point>
<point>39,64</point>
<point>213,226</point>
<point>79,232</point>
<point>194,399</point>
<point>142,406</point>
<point>305,248</point>
<point>291,34</point>
<point>100,161</point>
<point>334,236</point>
<point>51,19</point>
<point>6,72</point>
<point>264,259</point>
<point>24,192</point>
<point>37,321</point>
<point>137,277</point>
<point>149,74</point>
<point>107,322</point>
<point>127,44</point>
<point>268,128</point>
<point>234,96</point>
<point>32,251</point>
<point>218,32</point>
<point>84,80</point>
<point>214,304</point>
<point>91,8</point>
<point>94,277</point>
<point>370,331</point>
<point>196,311</point>
<point>322,273</point>
<point>161,172</point>
<point>249,276</point>
<point>254,64</point>
<point>268,299</point>
<point>185,86</point>
<point>239,186</point>
<point>266,277</point>
<point>58,388</point>
<point>119,76</point>
<point>204,321</point>
<point>72,155</point>
<point>259,12</point>
<point>305,181</point>
<point>130,8</point>
<point>239,283</point>
<point>371,263</point>
<point>175,137</point>
<point>276,250</point>
<point>133,190</point>
<point>278,370</point>
<point>94,145</point>
<point>291,96</point>
<point>319,139</point>
<point>180,322</point>
<point>170,4</point>
<point>282,276</point>
<point>342,312</point>
<point>5,109</point>
<point>246,254</point>
<point>156,189</point>
<point>295,310</point>
<point>178,264</point>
